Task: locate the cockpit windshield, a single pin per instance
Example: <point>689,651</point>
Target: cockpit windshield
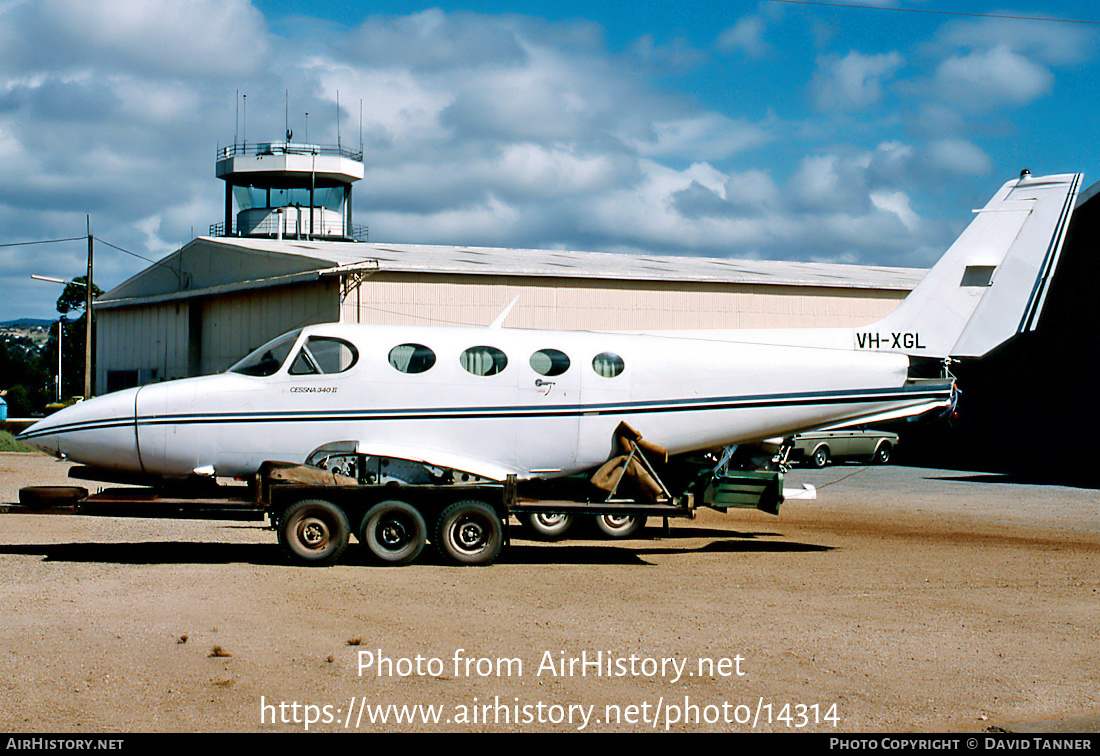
<point>324,355</point>
<point>267,359</point>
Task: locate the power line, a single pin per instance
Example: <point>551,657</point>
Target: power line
<point>44,241</point>
<point>77,238</point>
<point>177,273</point>
<point>937,12</point>
<point>120,249</point>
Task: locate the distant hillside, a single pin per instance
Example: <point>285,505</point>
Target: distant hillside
<point>27,323</point>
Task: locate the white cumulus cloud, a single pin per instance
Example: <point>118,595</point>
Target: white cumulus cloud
<point>991,79</point>
<point>854,81</point>
<point>746,36</point>
<point>959,156</point>
<point>196,37</point>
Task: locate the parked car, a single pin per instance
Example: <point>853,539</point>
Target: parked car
<point>818,448</point>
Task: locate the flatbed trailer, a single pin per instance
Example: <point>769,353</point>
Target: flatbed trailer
<point>315,512</point>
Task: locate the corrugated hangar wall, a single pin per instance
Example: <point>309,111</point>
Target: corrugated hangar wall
<point>603,305</point>
<point>150,342</point>
<point>157,342</point>
<point>187,316</point>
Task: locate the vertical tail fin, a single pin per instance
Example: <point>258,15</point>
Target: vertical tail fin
<point>992,283</point>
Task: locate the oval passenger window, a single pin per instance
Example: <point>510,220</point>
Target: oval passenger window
<point>549,362</point>
<point>608,364</point>
<point>412,358</point>
<point>483,360</point>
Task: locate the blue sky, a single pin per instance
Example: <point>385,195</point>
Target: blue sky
<point>744,130</point>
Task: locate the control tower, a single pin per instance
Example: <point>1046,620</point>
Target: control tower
<point>289,190</point>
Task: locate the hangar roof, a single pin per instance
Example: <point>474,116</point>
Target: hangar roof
<point>421,258</point>
<point>211,265</point>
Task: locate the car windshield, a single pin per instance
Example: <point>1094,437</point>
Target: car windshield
<point>267,359</point>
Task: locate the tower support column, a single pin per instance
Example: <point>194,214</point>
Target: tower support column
<point>347,211</point>
<point>228,207</point>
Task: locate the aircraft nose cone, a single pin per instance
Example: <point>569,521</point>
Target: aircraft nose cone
<point>39,436</point>
<point>98,432</point>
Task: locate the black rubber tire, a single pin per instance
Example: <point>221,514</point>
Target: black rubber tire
<point>314,532</point>
<point>469,533</point>
<point>821,457</point>
<point>548,527</point>
<point>51,496</point>
<point>882,454</point>
<point>394,531</point>
<point>619,526</point>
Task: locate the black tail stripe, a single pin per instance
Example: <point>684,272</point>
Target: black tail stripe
<point>1042,281</point>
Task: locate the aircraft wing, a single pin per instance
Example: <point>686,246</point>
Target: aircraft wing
<point>439,458</point>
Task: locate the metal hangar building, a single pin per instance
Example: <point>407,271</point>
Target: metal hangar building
<point>291,256</point>
<point>209,304</point>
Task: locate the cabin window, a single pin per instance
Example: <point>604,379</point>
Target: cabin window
<point>412,358</point>
<point>608,364</point>
<point>483,360</point>
<point>549,362</point>
<point>322,355</point>
<point>267,359</point>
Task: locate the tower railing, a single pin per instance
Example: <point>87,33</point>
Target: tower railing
<point>287,148</point>
<point>270,229</point>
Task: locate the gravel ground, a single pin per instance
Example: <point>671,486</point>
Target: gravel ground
<point>903,599</point>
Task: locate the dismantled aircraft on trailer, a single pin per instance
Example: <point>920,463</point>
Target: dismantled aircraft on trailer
<point>495,402</point>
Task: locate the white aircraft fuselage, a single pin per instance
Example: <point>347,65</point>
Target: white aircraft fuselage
<point>498,401</point>
<point>683,394</point>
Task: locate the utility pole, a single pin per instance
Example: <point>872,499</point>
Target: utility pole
<point>60,339</point>
<point>88,320</point>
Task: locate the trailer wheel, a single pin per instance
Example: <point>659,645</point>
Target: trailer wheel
<point>619,526</point>
<point>470,532</point>
<point>547,526</point>
<point>51,496</point>
<point>314,532</point>
<point>394,532</point>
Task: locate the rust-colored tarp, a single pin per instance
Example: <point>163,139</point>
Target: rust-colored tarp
<point>608,476</point>
<point>289,472</point>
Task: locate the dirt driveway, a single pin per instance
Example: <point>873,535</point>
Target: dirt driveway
<point>903,599</point>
